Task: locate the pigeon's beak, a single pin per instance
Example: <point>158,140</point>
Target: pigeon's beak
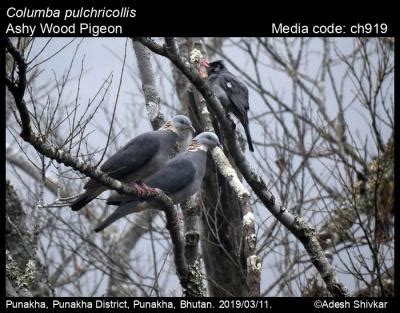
<point>220,146</point>
<point>204,63</point>
<point>192,129</point>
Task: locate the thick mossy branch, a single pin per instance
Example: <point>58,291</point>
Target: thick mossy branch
<point>258,185</point>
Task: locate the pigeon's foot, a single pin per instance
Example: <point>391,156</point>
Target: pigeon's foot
<point>139,189</point>
<point>143,190</point>
<point>178,218</point>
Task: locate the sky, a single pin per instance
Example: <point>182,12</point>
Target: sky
<point>102,58</point>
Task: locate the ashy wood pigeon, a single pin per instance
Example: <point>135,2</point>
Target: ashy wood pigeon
<point>141,157</point>
<point>180,178</point>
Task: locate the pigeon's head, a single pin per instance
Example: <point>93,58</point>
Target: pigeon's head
<point>182,122</point>
<point>208,139</point>
<point>215,67</point>
<point>182,126</point>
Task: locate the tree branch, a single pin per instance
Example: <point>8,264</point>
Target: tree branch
<point>17,89</point>
<point>148,85</point>
<point>224,166</point>
<point>295,224</point>
<point>14,158</point>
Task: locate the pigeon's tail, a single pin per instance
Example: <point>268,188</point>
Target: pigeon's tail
<point>117,198</point>
<point>121,211</point>
<point>85,198</point>
<point>247,131</point>
<point>113,202</point>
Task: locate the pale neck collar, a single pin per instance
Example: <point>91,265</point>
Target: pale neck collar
<point>196,146</point>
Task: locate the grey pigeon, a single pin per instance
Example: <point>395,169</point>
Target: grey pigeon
<point>141,157</point>
<point>180,178</point>
<point>232,93</point>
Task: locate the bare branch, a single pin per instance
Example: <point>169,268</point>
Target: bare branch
<point>295,224</point>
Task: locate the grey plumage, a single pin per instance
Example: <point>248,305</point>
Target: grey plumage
<point>180,178</point>
<point>232,93</point>
<point>141,157</point>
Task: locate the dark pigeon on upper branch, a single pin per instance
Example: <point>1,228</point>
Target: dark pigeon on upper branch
<point>232,93</point>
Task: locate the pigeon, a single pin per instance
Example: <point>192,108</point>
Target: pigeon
<point>141,157</point>
<point>231,92</point>
<point>180,178</point>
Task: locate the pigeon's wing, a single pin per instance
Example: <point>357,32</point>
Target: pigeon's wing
<point>176,175</point>
<point>131,157</point>
<point>236,91</point>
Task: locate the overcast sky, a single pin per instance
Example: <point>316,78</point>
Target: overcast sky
<point>103,56</point>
